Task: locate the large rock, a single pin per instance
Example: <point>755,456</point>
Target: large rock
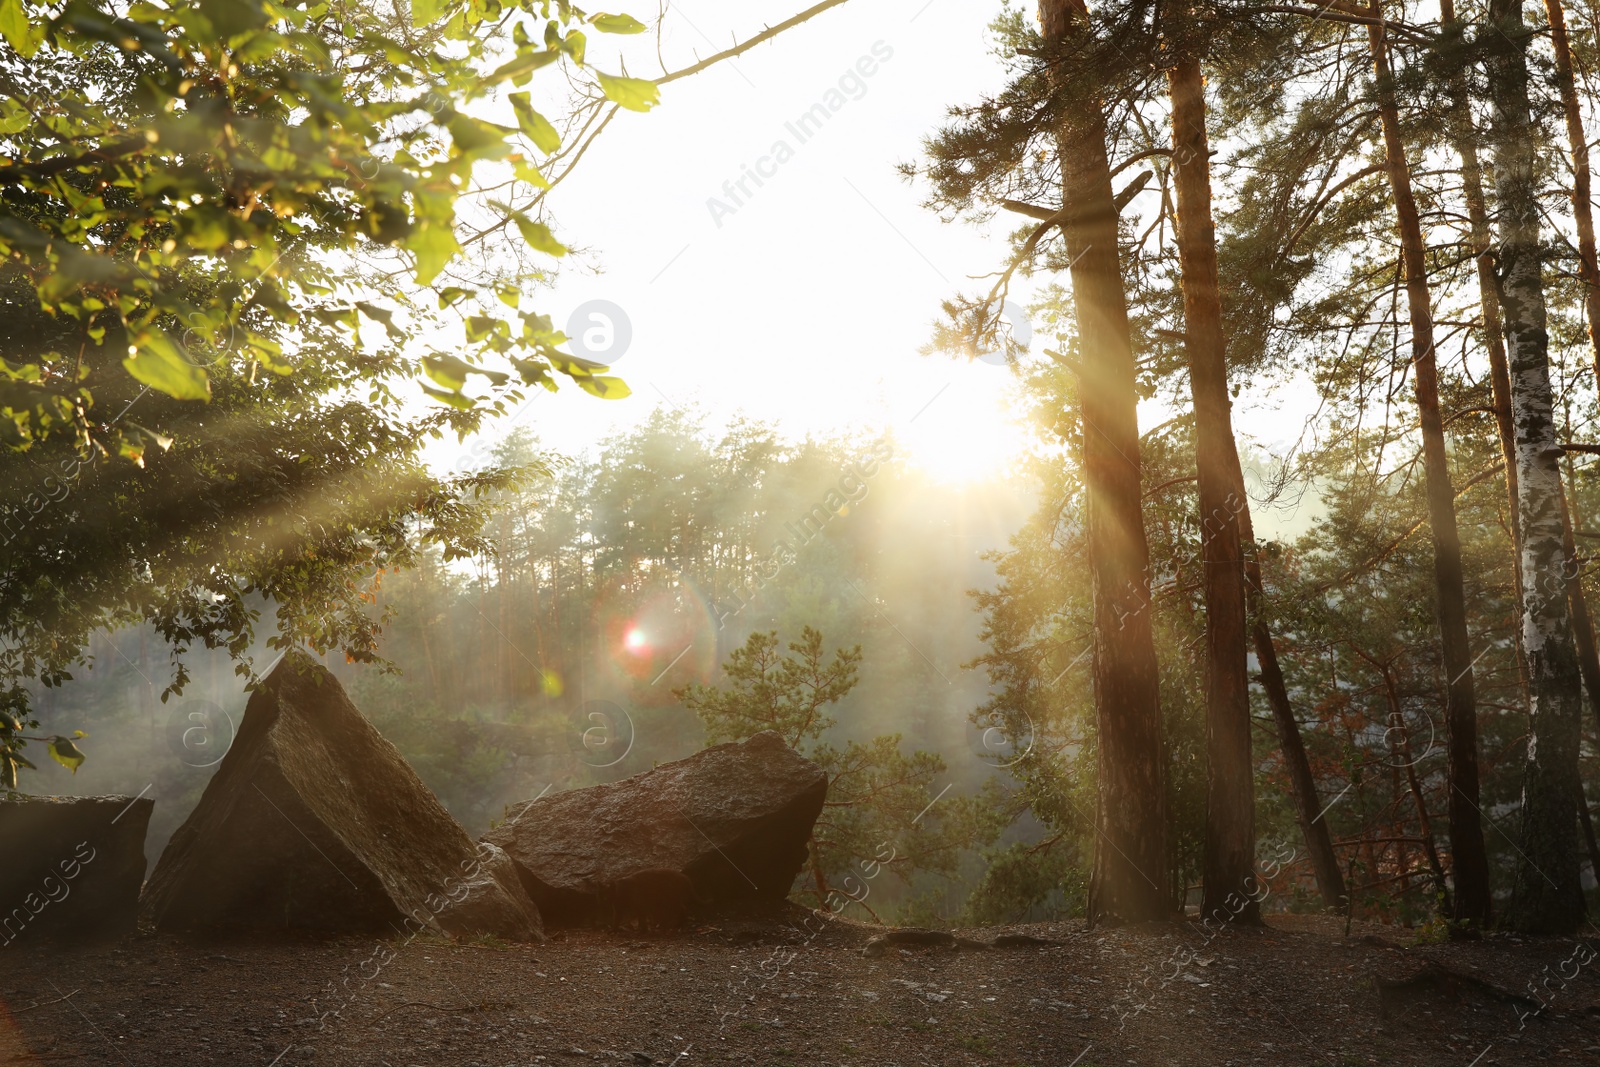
<point>71,866</point>
<point>314,822</point>
<point>735,818</point>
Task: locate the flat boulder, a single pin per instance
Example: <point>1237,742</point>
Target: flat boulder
<point>72,866</point>
<point>735,818</point>
<point>313,822</point>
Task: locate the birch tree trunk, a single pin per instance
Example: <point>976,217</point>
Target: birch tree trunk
<point>1129,879</point>
<point>1545,896</point>
<point>1230,834</point>
<point>1470,860</point>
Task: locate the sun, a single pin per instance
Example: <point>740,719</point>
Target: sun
<point>969,432</point>
<point>636,641</point>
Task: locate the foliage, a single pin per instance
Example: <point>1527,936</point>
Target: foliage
<point>226,225</point>
<point>172,168</point>
<point>1314,311</point>
<point>770,691</point>
<point>608,582</point>
<point>1024,881</point>
<point>877,797</point>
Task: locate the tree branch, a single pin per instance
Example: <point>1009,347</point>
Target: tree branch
<point>1053,215</point>
<point>760,38</point>
<point>1482,475</point>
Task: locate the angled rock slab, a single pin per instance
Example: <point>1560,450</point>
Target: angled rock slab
<point>71,866</point>
<point>314,822</point>
<point>735,818</point>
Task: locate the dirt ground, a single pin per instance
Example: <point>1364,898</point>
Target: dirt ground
<point>764,991</point>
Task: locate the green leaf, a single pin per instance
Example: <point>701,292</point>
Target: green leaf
<point>480,326</point>
<point>426,12</point>
<point>605,387</point>
<point>635,94</point>
<point>475,138</point>
<point>518,69</point>
<point>455,400</point>
<point>533,372</point>
<point>536,126</point>
<point>19,33</point>
<point>617,24</point>
<point>433,244</point>
<point>538,235</point>
<point>64,752</point>
<point>336,316</point>
<point>449,371</point>
<point>230,18</point>
<point>527,172</point>
<point>574,45</point>
<point>157,362</point>
<point>383,315</point>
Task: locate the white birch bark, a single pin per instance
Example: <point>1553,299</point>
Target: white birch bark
<point>1546,896</point>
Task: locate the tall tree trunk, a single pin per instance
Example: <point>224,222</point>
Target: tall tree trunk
<point>1588,667</point>
<point>1399,738</point>
<point>1582,208</point>
<point>1469,857</point>
<point>1230,837</point>
<point>1586,823</point>
<point>1308,805</point>
<point>1582,625</point>
<point>1464,137</point>
<point>1129,877</point>
<point>1545,894</point>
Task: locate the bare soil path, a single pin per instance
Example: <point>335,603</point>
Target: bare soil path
<point>767,992</point>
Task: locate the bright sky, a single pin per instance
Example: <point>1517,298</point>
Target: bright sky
<point>801,299</point>
<point>804,301</point>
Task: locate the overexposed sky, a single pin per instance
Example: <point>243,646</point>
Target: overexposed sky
<point>802,296</point>
<point>803,301</point>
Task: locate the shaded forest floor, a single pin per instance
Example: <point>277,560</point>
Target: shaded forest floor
<point>757,991</point>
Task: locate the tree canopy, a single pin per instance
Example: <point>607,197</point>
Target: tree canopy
<point>228,229</point>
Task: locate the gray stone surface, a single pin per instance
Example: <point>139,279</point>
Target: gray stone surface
<point>314,822</point>
<point>71,866</point>
<point>735,818</point>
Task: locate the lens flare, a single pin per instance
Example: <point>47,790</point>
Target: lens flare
<point>665,633</point>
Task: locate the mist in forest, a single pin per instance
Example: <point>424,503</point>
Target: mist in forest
<point>549,661</point>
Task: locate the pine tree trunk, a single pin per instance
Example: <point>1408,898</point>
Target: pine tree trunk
<point>1230,783</point>
<point>1464,137</point>
<point>1583,637</point>
<point>1470,859</point>
<point>1545,895</point>
<point>1308,805</point>
<point>1582,210</point>
<point>1128,882</point>
<point>1586,823</point>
